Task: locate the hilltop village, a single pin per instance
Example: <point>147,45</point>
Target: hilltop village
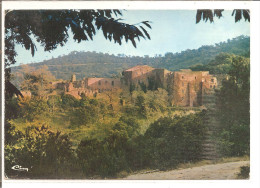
<point>185,87</point>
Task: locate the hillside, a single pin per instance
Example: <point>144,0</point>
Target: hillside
<point>92,64</point>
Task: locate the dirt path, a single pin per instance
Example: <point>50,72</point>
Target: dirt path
<point>208,172</point>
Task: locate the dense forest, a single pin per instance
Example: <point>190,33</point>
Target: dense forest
<point>93,64</point>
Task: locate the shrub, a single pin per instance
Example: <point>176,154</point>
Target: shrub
<point>103,158</point>
<point>33,108</point>
<point>244,172</point>
<point>235,141</point>
<point>170,141</point>
<point>47,154</point>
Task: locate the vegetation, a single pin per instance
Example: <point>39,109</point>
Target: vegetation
<point>45,153</point>
<point>244,172</point>
<point>111,144</point>
<point>116,133</point>
<point>207,14</point>
<point>233,109</point>
<point>58,136</point>
<point>92,64</point>
<point>233,105</point>
<point>221,65</point>
<point>50,28</point>
<point>101,136</point>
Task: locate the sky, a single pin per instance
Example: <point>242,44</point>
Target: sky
<point>172,31</point>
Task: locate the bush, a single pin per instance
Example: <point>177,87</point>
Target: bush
<point>47,154</point>
<point>113,154</point>
<point>167,142</point>
<point>170,141</point>
<point>235,141</point>
<point>103,158</point>
<point>33,108</point>
<point>244,172</point>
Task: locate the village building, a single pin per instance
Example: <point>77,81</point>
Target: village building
<point>185,87</point>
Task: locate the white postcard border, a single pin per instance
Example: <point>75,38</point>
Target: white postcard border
<point>167,5</point>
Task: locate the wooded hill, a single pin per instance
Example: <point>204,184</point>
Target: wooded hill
<point>93,64</point>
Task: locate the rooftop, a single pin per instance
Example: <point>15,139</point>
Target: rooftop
<point>138,67</point>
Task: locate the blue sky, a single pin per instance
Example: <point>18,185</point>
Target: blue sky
<point>172,31</point>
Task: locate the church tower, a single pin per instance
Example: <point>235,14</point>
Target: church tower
<point>73,78</point>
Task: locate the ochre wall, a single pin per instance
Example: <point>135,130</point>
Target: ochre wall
<point>103,83</point>
<point>190,86</point>
<point>185,87</point>
<point>138,74</point>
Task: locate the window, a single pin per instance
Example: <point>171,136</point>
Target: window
<point>182,77</point>
<point>182,84</point>
<point>106,82</point>
<point>183,91</point>
<point>210,86</point>
<point>99,82</point>
<point>212,80</point>
<point>112,83</point>
<point>195,77</point>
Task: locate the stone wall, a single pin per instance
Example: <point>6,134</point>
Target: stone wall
<point>103,84</point>
<point>90,86</point>
<point>185,87</point>
<point>138,74</point>
<point>190,86</point>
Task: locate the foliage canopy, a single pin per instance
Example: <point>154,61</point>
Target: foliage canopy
<point>50,28</point>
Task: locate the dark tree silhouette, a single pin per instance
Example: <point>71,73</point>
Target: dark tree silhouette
<point>207,14</point>
<point>50,28</point>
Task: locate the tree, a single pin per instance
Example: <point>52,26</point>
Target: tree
<point>31,109</point>
<point>234,109</point>
<point>36,81</point>
<point>141,106</point>
<point>207,14</point>
<point>220,65</point>
<point>50,28</point>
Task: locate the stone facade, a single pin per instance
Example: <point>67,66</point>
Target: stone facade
<point>87,86</point>
<point>189,87</point>
<point>185,87</point>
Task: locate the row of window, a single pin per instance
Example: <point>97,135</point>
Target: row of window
<point>212,80</point>
<point>112,83</point>
<point>194,77</point>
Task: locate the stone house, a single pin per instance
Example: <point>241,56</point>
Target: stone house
<point>185,87</point>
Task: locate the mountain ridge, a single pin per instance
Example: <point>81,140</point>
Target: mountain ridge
<point>93,64</point>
